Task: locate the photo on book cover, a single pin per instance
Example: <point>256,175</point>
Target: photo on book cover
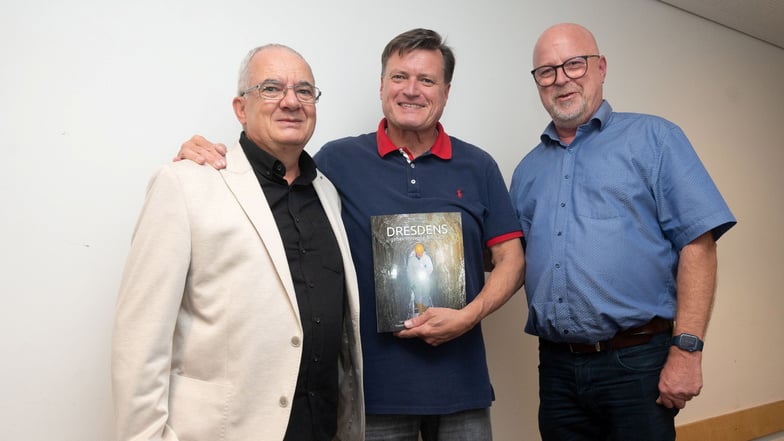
<point>419,262</point>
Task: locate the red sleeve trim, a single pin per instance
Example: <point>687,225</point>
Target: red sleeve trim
<point>504,237</point>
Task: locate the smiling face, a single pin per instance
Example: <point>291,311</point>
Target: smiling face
<point>570,102</point>
<point>413,90</point>
<point>277,126</point>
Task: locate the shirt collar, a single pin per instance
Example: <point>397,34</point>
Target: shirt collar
<point>441,148</point>
<point>598,120</point>
<point>270,167</point>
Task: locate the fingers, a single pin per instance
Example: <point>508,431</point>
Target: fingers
<point>414,322</point>
<point>676,397</point>
<point>200,150</point>
<point>219,162</point>
<point>680,379</point>
<point>418,333</point>
<point>221,149</point>
<point>672,403</point>
<point>678,402</point>
<point>416,327</point>
<point>435,326</point>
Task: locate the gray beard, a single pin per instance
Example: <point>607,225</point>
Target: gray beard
<point>571,119</point>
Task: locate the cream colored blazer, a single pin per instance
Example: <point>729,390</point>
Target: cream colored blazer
<point>207,336</point>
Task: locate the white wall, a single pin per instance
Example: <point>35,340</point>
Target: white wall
<point>94,95</point>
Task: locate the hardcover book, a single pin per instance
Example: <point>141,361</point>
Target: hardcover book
<point>418,261</point>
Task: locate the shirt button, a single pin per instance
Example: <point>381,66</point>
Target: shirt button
<point>295,341</point>
<point>563,204</point>
<point>413,181</point>
<point>283,401</point>
<point>557,265</point>
<point>566,176</point>
<point>413,165</point>
<point>559,233</point>
<point>317,320</point>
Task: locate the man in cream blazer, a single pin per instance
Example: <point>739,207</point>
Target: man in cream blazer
<point>208,337</point>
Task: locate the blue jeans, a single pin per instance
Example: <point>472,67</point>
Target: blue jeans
<point>468,425</point>
<point>604,396</point>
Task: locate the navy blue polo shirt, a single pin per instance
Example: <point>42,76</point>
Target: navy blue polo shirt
<point>373,177</point>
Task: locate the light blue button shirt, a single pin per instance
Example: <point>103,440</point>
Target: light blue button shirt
<point>605,218</point>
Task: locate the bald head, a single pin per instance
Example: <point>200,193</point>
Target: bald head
<point>570,100</point>
<point>565,36</point>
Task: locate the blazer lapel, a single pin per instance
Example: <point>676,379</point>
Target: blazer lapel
<point>242,182</point>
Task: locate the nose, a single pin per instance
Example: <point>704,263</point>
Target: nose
<point>411,87</point>
<point>289,99</point>
<point>560,76</point>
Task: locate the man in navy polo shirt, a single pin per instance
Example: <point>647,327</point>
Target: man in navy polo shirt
<point>430,379</point>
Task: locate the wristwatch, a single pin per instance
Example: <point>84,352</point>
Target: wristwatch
<point>688,342</point>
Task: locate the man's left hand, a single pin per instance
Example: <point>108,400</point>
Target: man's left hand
<point>680,379</point>
<point>436,326</point>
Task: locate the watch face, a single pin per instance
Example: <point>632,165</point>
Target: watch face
<point>688,342</point>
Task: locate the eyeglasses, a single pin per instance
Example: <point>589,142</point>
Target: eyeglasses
<point>273,90</point>
<point>573,68</point>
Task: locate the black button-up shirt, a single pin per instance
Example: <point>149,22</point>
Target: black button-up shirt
<point>317,272</point>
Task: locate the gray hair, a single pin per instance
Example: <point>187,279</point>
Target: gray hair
<point>244,77</point>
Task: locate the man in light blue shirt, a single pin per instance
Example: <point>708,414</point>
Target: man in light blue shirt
<point>621,221</point>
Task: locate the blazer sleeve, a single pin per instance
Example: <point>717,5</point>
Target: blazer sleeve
<point>146,312</point>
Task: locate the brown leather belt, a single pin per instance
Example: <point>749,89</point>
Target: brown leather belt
<point>624,339</point>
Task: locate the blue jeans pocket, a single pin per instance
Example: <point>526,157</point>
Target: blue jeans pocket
<point>647,357</point>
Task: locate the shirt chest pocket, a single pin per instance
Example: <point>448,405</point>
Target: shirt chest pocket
<point>600,197</point>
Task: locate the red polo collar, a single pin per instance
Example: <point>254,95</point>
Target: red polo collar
<point>441,148</point>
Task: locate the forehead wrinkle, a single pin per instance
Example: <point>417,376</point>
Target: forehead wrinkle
<point>281,67</point>
<point>284,76</point>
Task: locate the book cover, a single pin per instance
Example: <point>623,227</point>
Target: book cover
<point>418,261</point>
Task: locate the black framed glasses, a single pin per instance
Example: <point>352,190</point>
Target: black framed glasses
<point>573,68</point>
<point>275,90</point>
